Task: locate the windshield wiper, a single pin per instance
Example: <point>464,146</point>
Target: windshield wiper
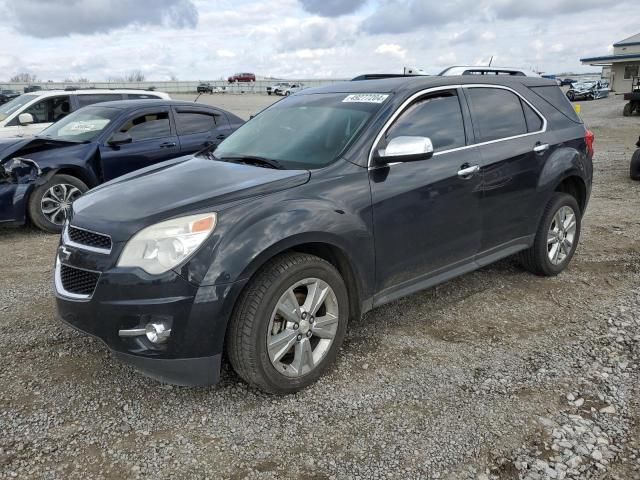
<point>253,160</point>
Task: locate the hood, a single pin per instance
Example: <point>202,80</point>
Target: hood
<point>40,149</point>
<point>170,189</point>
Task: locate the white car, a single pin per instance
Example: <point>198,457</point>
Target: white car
<point>30,113</point>
<point>479,70</point>
<point>290,90</point>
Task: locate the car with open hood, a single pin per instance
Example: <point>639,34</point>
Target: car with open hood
<point>41,176</point>
<point>324,205</point>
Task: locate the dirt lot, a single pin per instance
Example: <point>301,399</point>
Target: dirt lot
<point>497,374</point>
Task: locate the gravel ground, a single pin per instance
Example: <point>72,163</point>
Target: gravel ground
<point>495,375</point>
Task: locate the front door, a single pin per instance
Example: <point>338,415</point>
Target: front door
<point>153,140</point>
<point>44,113</point>
<point>426,213</point>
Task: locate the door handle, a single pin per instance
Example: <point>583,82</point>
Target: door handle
<point>467,171</point>
<point>541,147</point>
<point>167,144</point>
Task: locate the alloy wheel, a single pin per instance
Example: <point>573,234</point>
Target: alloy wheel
<point>562,234</point>
<point>302,327</point>
<point>56,202</point>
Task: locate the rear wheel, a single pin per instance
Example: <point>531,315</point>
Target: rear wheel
<point>556,239</point>
<point>289,323</point>
<point>627,110</point>
<point>634,168</point>
<point>50,203</point>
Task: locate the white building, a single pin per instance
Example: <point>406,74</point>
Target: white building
<point>624,63</point>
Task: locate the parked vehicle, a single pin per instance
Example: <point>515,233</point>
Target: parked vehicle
<point>40,177</point>
<point>588,91</point>
<point>275,88</point>
<point>31,113</point>
<point>634,168</point>
<point>325,205</point>
<point>8,95</point>
<point>204,88</point>
<point>478,70</point>
<point>242,77</point>
<point>567,81</point>
<point>32,88</point>
<point>632,98</point>
<point>290,90</point>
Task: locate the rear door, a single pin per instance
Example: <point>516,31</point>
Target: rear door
<point>199,128</point>
<point>153,140</point>
<point>513,146</point>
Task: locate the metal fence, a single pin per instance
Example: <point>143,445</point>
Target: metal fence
<point>257,87</point>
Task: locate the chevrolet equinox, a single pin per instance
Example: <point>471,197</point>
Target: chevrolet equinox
<point>325,205</point>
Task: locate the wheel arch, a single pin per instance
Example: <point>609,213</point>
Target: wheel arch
<point>575,186</point>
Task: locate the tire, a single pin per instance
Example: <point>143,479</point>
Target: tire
<point>287,93</point>
<point>256,319</point>
<point>571,96</point>
<point>627,110</point>
<point>42,198</point>
<point>537,258</point>
<point>634,167</point>
<point>269,93</point>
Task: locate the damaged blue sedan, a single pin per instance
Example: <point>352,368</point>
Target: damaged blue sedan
<point>40,177</point>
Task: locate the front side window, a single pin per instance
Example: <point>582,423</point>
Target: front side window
<point>194,122</point>
<point>437,117</point>
<point>496,113</point>
<point>49,109</point>
<point>304,131</point>
<point>148,126</point>
<point>82,125</point>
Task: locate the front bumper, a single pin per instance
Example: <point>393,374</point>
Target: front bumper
<point>125,299</point>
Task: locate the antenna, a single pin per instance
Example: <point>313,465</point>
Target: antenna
<point>490,61</point>
<point>197,97</point>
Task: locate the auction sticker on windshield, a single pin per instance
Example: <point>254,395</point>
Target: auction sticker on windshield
<point>366,98</point>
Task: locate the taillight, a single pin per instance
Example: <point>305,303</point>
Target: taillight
<point>589,138</point>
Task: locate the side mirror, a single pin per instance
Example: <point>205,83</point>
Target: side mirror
<point>405,149</point>
<point>120,138</point>
<point>25,119</point>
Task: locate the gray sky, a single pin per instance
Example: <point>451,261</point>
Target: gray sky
<point>207,39</point>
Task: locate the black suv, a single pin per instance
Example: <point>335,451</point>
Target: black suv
<point>325,205</point>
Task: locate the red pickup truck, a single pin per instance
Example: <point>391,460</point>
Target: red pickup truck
<point>242,77</point>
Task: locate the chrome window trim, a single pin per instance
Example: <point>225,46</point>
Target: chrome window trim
<point>427,91</point>
<point>60,288</point>
<point>67,241</point>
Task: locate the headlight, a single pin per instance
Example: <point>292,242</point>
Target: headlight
<point>162,246</point>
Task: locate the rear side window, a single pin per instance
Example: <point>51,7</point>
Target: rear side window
<point>496,113</point>
<point>553,95</point>
<point>194,122</point>
<point>534,122</point>
<point>84,100</point>
<point>438,117</point>
<point>150,125</point>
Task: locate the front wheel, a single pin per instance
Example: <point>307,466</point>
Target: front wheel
<point>627,110</point>
<point>556,239</point>
<point>50,203</point>
<point>289,323</point>
<point>571,96</point>
<point>634,168</point>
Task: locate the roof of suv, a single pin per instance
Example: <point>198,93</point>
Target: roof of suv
<point>404,84</point>
<point>160,102</point>
<point>94,91</point>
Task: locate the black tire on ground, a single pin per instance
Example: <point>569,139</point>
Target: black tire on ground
<point>268,93</point>
<point>36,215</point>
<point>287,93</point>
<point>634,167</point>
<point>246,340</point>
<point>571,96</point>
<point>627,110</point>
<point>536,259</point>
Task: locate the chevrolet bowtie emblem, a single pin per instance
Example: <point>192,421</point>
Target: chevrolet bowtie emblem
<point>64,253</point>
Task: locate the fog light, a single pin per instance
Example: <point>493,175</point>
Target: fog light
<point>157,332</point>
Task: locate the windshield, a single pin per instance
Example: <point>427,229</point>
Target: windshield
<point>8,108</point>
<point>303,132</point>
<point>83,125</point>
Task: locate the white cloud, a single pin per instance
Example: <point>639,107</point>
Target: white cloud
<point>392,49</point>
<point>222,53</point>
